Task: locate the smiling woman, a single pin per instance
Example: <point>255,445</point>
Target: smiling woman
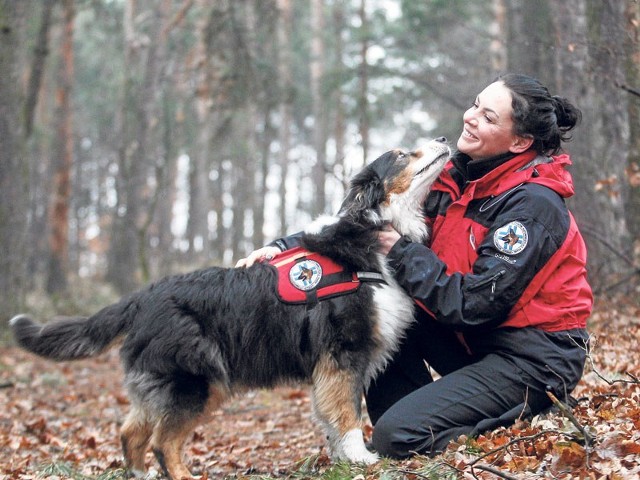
<point>501,287</point>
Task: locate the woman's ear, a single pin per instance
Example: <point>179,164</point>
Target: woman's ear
<point>521,143</point>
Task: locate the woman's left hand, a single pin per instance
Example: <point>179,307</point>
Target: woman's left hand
<point>387,238</point>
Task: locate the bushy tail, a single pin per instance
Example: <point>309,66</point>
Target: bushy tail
<point>72,338</point>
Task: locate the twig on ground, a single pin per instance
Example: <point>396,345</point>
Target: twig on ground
<point>566,411</point>
<point>634,380</point>
<point>495,471</point>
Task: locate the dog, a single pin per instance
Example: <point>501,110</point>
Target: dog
<point>188,342</point>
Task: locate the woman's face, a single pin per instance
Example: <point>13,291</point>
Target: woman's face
<point>488,126</point>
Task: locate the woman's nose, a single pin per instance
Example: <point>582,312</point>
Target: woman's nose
<point>468,116</point>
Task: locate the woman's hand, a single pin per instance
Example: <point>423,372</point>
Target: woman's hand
<point>387,238</point>
<point>260,255</point>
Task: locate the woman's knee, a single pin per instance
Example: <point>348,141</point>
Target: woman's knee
<point>394,440</point>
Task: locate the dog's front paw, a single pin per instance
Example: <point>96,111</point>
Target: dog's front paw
<point>353,450</point>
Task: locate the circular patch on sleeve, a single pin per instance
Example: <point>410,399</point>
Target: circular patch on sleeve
<point>511,238</point>
<point>305,275</point>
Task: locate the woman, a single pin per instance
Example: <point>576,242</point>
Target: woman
<point>502,286</point>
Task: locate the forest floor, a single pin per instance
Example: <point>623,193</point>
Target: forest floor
<point>62,421</point>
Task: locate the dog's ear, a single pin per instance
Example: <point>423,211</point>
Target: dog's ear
<point>366,193</point>
<point>367,189</point>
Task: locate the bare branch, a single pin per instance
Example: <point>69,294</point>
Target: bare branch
<point>566,411</point>
<point>495,471</point>
<point>634,380</point>
<point>631,90</point>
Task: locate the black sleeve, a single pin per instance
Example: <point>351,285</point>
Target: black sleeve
<point>288,242</point>
<point>484,297</point>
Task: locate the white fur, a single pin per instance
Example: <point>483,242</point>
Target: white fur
<point>406,216</point>
<point>351,448</point>
<point>395,312</point>
<point>315,227</point>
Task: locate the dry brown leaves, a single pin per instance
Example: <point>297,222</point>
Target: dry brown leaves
<point>70,413</point>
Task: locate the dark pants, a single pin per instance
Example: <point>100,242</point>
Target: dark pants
<point>413,414</point>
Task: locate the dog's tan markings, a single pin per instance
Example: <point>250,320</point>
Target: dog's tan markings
<point>167,441</point>
<point>169,436</point>
<point>135,435</point>
<point>218,394</point>
<point>334,397</point>
<point>401,183</point>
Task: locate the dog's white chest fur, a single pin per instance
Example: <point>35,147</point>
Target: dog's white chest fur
<point>394,310</point>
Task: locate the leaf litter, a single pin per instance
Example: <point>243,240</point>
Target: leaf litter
<point>61,420</point>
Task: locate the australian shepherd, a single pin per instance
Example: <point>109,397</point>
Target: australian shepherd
<point>189,342</point>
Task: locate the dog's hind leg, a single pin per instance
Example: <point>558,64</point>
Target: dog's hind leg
<point>173,429</point>
<point>337,396</point>
<point>167,441</point>
<point>135,435</point>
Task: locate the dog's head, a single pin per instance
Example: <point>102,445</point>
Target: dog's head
<point>394,186</point>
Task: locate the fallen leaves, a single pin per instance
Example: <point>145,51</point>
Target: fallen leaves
<point>62,420</point>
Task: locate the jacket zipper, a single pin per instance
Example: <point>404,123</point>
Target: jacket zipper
<point>492,280</point>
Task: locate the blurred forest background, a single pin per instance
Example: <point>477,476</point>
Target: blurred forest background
<point>144,137</point>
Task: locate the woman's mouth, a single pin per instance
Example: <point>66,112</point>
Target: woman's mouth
<point>469,135</point>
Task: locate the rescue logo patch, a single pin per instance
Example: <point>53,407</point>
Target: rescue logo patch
<point>305,275</point>
<point>511,239</point>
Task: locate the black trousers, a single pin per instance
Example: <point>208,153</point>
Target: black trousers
<point>412,413</point>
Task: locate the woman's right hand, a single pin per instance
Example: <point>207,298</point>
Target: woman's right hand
<point>259,255</point>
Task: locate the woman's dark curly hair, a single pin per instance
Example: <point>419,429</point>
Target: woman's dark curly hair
<point>537,114</point>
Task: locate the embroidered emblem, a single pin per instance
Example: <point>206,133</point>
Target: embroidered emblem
<point>511,239</point>
<point>305,275</point>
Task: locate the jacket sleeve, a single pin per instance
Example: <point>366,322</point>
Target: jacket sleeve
<point>484,297</point>
<point>288,242</point>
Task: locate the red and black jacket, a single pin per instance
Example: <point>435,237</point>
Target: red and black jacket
<point>505,250</point>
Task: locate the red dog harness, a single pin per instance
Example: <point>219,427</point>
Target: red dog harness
<point>307,277</point>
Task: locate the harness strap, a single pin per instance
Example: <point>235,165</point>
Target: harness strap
<point>370,277</point>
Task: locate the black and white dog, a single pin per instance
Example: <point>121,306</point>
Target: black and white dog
<point>190,341</point>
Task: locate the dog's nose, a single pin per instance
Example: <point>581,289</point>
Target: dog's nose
<point>441,140</point>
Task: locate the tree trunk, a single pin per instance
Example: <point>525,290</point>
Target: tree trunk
<point>285,66</point>
<point>632,85</point>
<point>340,123</point>
<point>529,39</point>
<point>129,264</point>
<point>58,265</point>
<point>498,30</point>
<point>40,53</point>
<point>199,205</point>
<point>589,64</point>
<point>363,79</point>
<point>317,73</point>
<point>14,192</point>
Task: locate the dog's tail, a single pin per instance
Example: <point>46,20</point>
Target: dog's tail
<point>72,338</point>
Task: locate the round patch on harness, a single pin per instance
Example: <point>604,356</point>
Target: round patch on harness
<point>305,275</point>
<point>511,239</point>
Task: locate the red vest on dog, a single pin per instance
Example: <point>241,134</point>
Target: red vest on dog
<point>306,277</point>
